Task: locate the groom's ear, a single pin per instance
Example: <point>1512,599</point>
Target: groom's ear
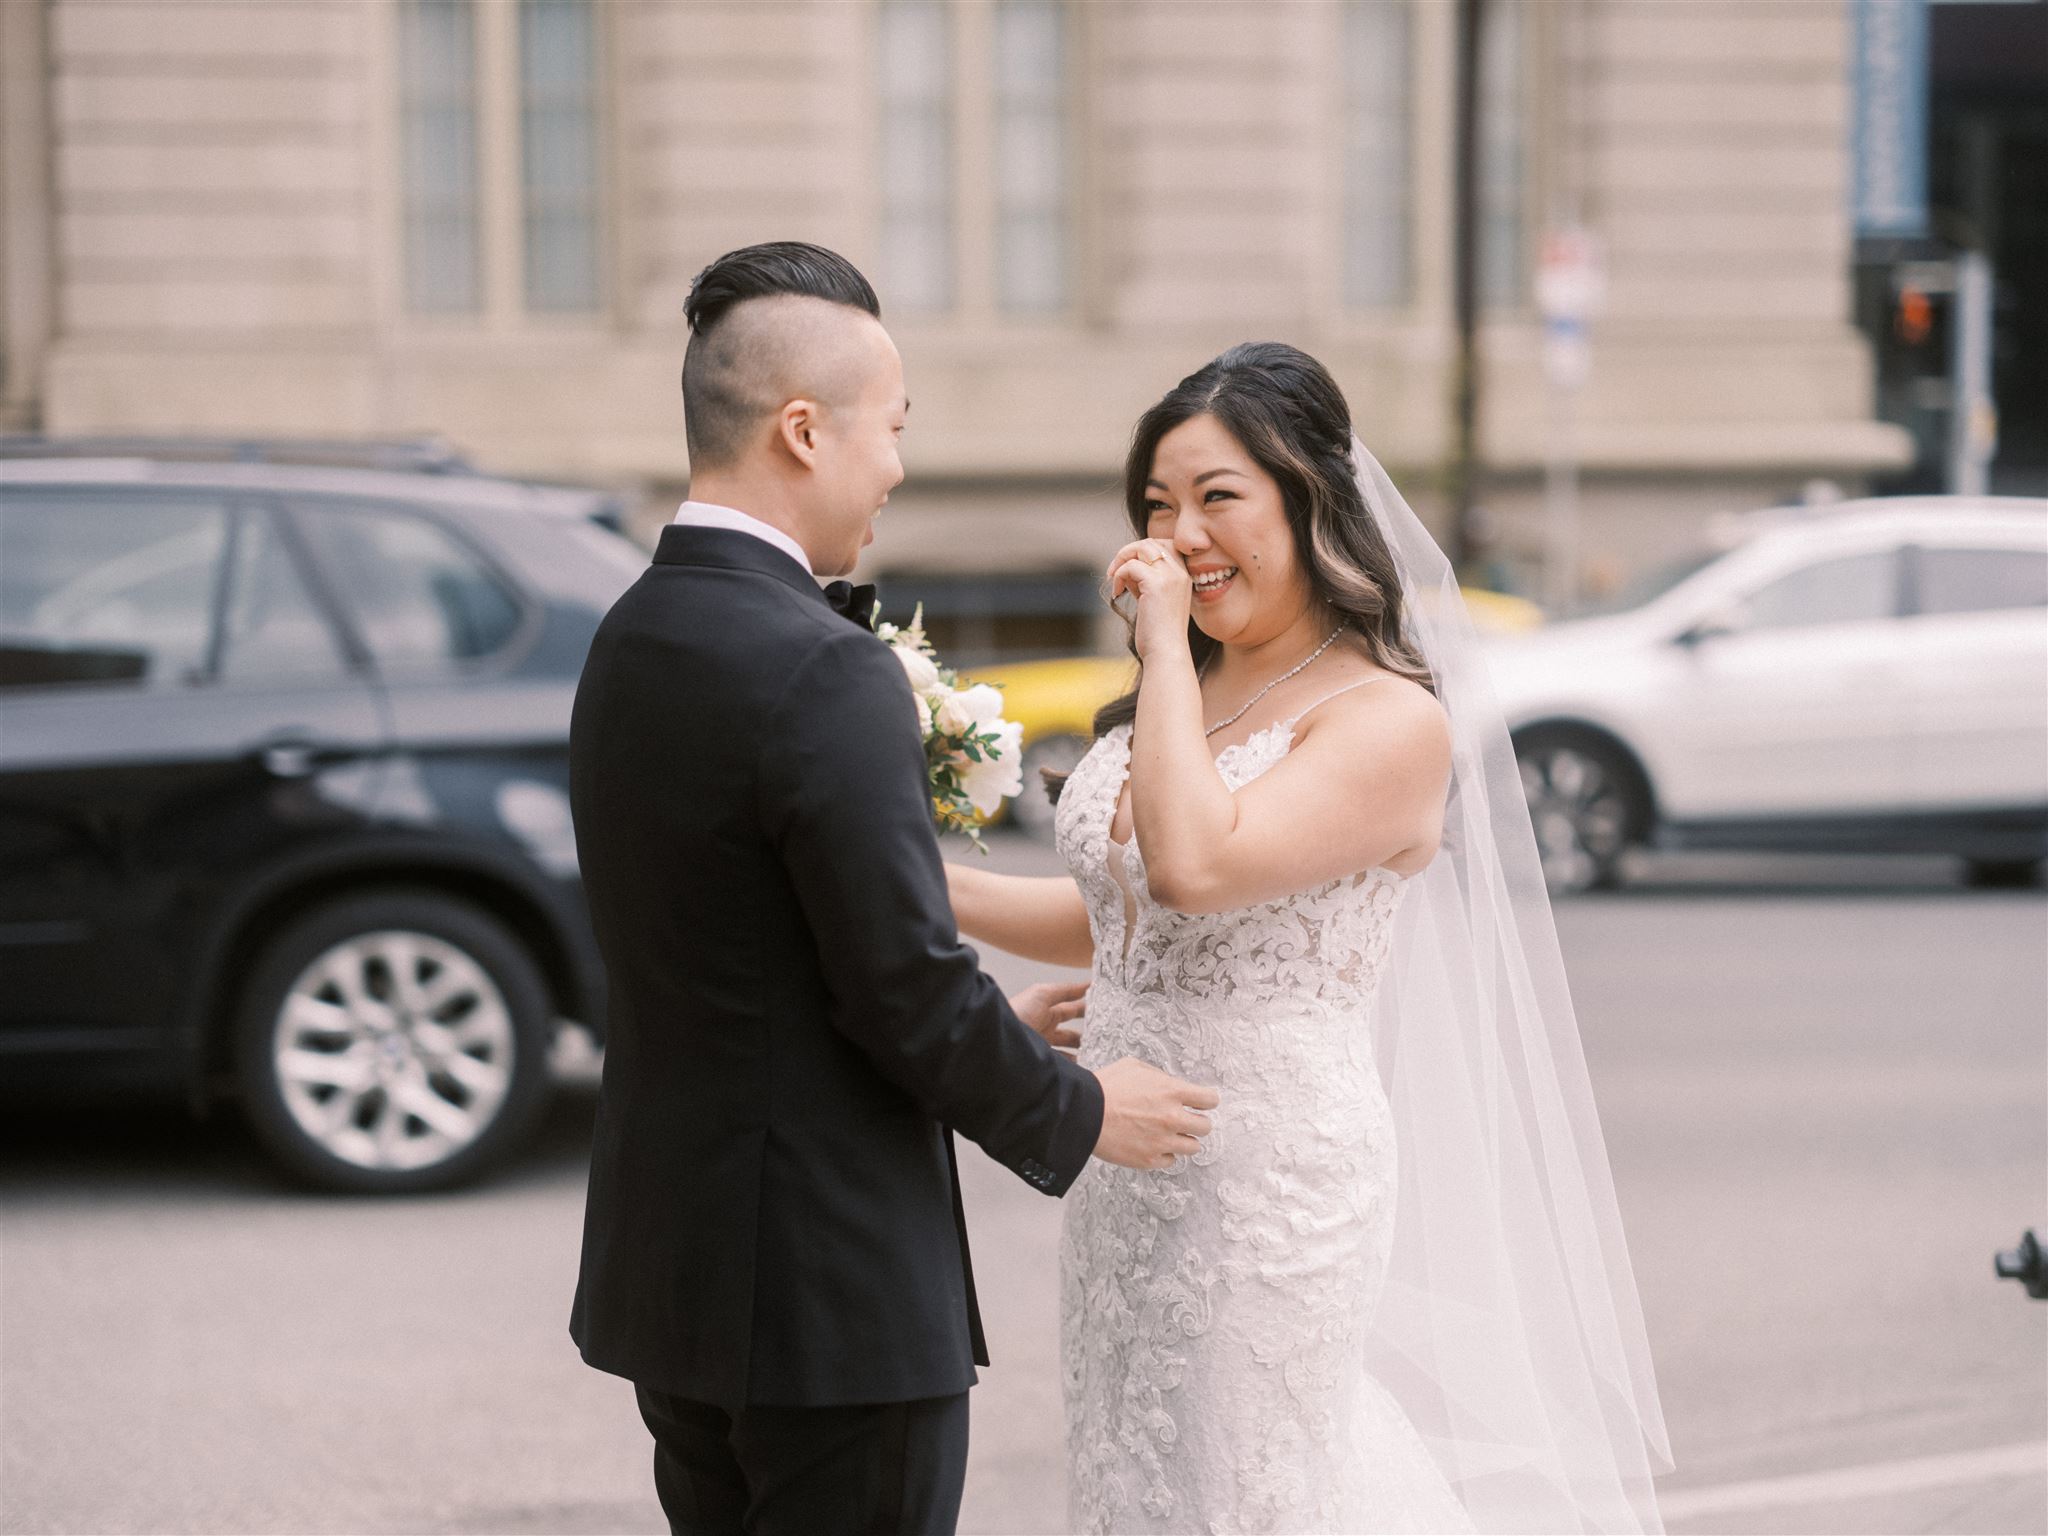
<point>796,424</point>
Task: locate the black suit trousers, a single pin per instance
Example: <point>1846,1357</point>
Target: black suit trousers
<point>867,1469</point>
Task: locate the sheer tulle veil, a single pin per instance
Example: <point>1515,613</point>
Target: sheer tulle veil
<point>1508,1328</point>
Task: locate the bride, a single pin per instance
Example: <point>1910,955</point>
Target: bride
<point>1389,1291</point>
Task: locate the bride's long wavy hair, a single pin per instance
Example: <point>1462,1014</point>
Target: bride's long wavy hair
<point>1290,416</point>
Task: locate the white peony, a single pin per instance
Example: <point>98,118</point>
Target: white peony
<point>989,781</point>
<point>918,667</point>
<point>978,705</point>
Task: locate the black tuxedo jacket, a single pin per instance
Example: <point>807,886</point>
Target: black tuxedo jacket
<point>774,1212</point>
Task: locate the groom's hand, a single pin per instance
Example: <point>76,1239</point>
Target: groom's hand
<point>1050,1006</point>
<point>1149,1118</point>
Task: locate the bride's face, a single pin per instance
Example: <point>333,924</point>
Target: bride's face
<point>1226,517</point>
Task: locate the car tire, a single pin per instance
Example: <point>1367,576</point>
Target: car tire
<point>1587,804</point>
<point>1032,808</point>
<point>393,1041</point>
<point>2004,874</point>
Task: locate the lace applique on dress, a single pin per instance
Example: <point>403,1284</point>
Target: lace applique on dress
<point>1212,1317</point>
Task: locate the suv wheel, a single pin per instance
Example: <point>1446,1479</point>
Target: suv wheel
<point>392,1041</point>
<point>1585,806</point>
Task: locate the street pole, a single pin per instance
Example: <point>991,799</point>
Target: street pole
<point>1463,468</point>
<point>1561,505</point>
<point>1570,288</point>
<point>1973,420</point>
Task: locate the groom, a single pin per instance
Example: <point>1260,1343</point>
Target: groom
<point>773,1249</point>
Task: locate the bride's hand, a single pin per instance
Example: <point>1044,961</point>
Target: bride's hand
<point>1050,1007</point>
<point>1152,571</point>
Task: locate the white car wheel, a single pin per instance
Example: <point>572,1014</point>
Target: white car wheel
<point>393,1041</point>
<point>1582,807</point>
<point>393,1050</point>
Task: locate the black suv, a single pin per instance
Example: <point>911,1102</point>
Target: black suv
<point>283,791</point>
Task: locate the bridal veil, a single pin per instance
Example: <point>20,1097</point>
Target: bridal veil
<point>1509,1328</point>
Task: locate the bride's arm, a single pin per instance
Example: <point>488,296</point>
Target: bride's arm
<point>1039,917</point>
<point>1362,785</point>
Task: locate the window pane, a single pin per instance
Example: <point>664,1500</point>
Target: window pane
<point>561,264</point>
<point>1029,49</point>
<point>271,627</point>
<point>915,51</point>
<point>1849,591</point>
<point>1031,156</point>
<point>1981,580</point>
<point>558,132</point>
<point>917,253</point>
<point>1376,150</point>
<point>912,51</point>
<point>1502,260</point>
<point>437,110</point>
<point>419,597</point>
<point>560,153</point>
<point>1032,264</point>
<point>558,50</point>
<point>915,154</point>
<point>107,589</point>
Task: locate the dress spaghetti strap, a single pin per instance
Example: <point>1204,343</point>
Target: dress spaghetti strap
<point>1377,677</point>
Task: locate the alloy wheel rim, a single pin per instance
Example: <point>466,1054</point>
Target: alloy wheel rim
<point>393,1050</point>
<point>1579,813</point>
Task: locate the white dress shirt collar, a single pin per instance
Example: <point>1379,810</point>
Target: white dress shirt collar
<point>706,514</point>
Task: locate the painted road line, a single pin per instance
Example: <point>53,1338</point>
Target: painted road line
<point>1844,1483</point>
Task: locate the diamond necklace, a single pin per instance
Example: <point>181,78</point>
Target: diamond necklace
<point>1248,703</point>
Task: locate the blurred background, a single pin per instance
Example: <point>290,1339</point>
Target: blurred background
<point>339,357</point>
<point>1795,241</point>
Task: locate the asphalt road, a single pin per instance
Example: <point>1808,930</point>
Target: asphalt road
<point>1825,1094</point>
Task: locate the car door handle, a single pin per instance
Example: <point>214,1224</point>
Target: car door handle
<point>289,757</point>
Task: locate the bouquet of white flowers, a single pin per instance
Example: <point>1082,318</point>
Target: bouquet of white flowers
<point>973,756</point>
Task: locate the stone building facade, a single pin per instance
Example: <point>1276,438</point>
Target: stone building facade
<point>479,218</point>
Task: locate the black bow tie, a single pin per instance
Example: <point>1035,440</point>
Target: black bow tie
<point>855,603</point>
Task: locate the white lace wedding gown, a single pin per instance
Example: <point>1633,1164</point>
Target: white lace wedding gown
<point>1212,1317</point>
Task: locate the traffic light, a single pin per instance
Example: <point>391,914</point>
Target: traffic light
<point>1913,319</point>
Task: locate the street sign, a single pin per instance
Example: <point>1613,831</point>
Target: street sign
<point>1888,117</point>
<point>1571,287</point>
<point>1571,275</point>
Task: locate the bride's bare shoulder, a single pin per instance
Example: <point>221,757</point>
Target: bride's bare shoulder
<point>1382,719</point>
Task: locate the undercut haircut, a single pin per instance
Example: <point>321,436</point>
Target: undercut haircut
<point>735,372</point>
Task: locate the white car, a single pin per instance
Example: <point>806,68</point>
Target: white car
<point>1868,676</point>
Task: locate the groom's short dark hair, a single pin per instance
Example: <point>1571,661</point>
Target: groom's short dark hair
<point>721,394</point>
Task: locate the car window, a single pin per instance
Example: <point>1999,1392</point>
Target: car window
<point>107,588</point>
<point>1980,580</point>
<point>1849,590</point>
<point>271,627</point>
<point>420,597</point>
<point>626,559</point>
<point>1649,585</point>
